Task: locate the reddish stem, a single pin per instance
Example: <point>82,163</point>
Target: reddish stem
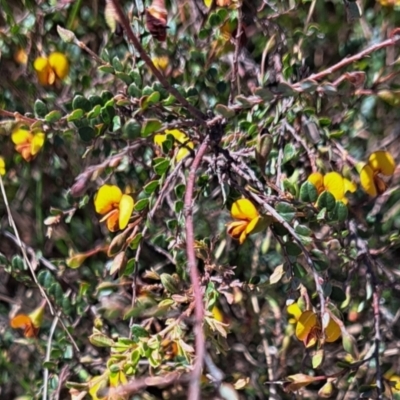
<point>194,388</point>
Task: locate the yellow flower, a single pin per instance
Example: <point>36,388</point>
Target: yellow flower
<point>29,323</point>
<point>387,3</point>
<point>20,56</point>
<point>309,331</point>
<point>49,69</point>
<point>161,62</point>
<point>247,215</point>
<point>379,163</point>
<point>182,140</point>
<point>116,206</point>
<point>27,143</point>
<point>333,183</point>
<point>2,166</point>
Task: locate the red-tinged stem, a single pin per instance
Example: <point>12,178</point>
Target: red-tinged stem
<point>194,387</point>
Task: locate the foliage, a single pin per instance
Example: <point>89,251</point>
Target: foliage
<point>199,199</point>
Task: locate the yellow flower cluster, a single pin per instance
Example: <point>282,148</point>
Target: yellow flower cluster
<point>333,183</point>
<point>52,68</point>
<point>380,164</point>
<point>181,140</point>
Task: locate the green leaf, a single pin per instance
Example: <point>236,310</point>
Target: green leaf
<point>303,230</point>
<point>340,212</point>
<point>319,259</point>
<point>107,69</point>
<point>86,133</point>
<point>124,77</point>
<point>134,91</point>
<point>53,116</point>
<point>81,102</point>
<point>131,130</point>
<point>135,241</point>
<point>225,111</point>
<point>116,63</point>
<point>40,109</point>
<point>150,126</point>
<point>99,339</point>
<point>76,114</point>
<point>141,204</point>
<point>138,332</point>
<point>151,187</point>
<point>308,192</point>
<point>289,153</point>
<point>162,166</point>
<point>286,211</point>
<point>326,200</point>
<point>292,249</point>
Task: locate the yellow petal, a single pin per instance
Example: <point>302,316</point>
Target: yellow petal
<point>242,237</point>
<point>294,310</point>
<point>333,183</point>
<point>208,3</point>
<point>2,166</point>
<point>251,225</point>
<point>97,383</point>
<point>317,179</point>
<point>349,186</point>
<point>307,321</point>
<point>382,162</point>
<point>24,322</point>
<point>21,136</point>
<point>159,139</point>
<point>42,68</point>
<point>37,143</point>
<point>125,210</point>
<point>107,198</point>
<point>236,228</point>
<point>113,220</point>
<point>332,331</point>
<point>182,153</point>
<point>396,380</point>
<point>37,315</point>
<point>367,180</point>
<point>59,63</point>
<point>244,209</point>
<point>161,62</point>
<point>178,135</point>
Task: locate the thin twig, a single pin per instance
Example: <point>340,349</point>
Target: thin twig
<point>235,82</point>
<point>47,359</point>
<point>194,388</point>
<point>18,116</point>
<point>200,117</point>
<point>349,60</point>
<point>364,255</point>
<point>29,265</point>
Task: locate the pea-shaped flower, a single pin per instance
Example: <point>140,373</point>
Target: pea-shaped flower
<point>309,329</point>
<point>49,69</point>
<point>333,183</point>
<point>380,163</point>
<point>247,217</point>
<point>29,323</point>
<point>27,143</point>
<point>181,140</point>
<point>116,207</point>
